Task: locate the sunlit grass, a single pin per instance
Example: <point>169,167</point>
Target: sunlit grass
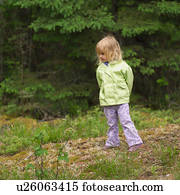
<point>17,134</point>
<point>123,166</point>
<point>159,159</point>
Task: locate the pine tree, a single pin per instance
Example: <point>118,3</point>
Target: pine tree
<point>64,34</point>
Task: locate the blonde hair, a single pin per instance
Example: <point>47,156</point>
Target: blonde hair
<point>110,47</point>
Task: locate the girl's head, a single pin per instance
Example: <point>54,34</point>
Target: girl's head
<point>108,49</point>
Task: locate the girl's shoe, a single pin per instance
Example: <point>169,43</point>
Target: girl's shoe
<point>109,147</point>
<point>135,147</point>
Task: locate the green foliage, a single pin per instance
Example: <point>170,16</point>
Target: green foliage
<point>168,155</point>
<point>36,96</point>
<point>13,144</point>
<point>177,174</point>
<point>69,16</point>
<point>132,58</point>
<point>7,86</point>
<point>130,28</point>
<point>60,37</point>
<point>162,82</point>
<point>122,167</point>
<point>40,153</point>
<point>17,140</point>
<point>161,7</point>
<point>62,155</point>
<point>15,137</point>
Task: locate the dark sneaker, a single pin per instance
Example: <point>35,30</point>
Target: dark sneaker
<point>109,147</point>
<point>135,147</point>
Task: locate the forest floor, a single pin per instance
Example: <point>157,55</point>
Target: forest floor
<point>158,159</point>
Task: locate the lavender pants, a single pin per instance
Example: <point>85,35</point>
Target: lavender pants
<point>121,112</point>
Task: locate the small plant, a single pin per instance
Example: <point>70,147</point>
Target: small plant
<point>40,152</point>
<point>154,169</point>
<point>61,156</point>
<point>168,155</point>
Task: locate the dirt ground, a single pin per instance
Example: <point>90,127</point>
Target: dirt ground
<point>83,152</point>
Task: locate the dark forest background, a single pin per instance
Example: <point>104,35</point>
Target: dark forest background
<point>48,59</point>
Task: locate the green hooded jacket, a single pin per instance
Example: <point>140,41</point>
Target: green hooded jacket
<point>115,81</point>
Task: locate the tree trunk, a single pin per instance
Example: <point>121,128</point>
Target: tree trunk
<point>22,47</point>
<point>1,43</point>
<point>115,9</point>
<point>29,46</point>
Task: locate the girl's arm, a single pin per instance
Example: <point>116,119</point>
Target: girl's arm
<point>128,75</point>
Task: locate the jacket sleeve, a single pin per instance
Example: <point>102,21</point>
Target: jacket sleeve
<point>129,77</point>
<point>98,77</point>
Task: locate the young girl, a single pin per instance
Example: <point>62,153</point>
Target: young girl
<point>115,79</point>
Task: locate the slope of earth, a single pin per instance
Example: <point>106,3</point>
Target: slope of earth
<point>158,159</point>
